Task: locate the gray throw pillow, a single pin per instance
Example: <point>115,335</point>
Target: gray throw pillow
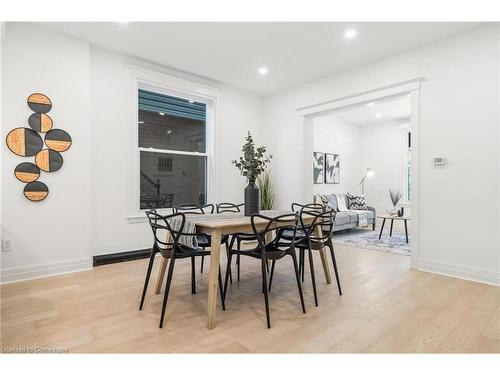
<point>330,201</point>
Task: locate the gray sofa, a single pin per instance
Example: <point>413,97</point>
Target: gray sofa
<point>345,219</point>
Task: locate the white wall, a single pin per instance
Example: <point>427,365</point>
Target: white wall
<point>383,149</point>
<point>334,136</point>
<point>54,233</point>
<point>89,201</point>
<point>459,119</point>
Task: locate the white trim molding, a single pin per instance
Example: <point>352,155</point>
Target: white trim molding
<point>16,274</point>
<point>365,97</point>
<point>175,86</point>
<point>462,272</point>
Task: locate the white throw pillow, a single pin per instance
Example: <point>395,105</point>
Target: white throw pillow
<point>341,202</point>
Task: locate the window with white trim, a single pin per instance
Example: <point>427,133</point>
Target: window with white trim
<point>173,150</point>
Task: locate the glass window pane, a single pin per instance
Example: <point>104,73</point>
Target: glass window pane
<point>169,180</point>
<point>171,123</point>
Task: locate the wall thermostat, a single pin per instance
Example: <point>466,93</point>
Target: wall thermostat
<point>439,161</point>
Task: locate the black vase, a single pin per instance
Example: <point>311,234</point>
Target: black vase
<point>252,199</point>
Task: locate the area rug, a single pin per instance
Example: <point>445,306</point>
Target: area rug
<point>368,239</point>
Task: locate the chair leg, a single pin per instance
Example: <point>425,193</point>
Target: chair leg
<point>146,282</point>
<point>266,296</point>
<point>193,276</point>
<point>297,277</point>
<point>303,262</point>
<point>332,252</point>
<point>272,273</point>
<point>313,277</point>
<point>221,290</point>
<point>202,262</point>
<point>167,290</point>
<point>238,259</point>
<point>228,250</point>
<point>228,271</point>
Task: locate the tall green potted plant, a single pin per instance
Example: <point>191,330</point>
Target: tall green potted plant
<point>266,190</point>
<point>251,164</point>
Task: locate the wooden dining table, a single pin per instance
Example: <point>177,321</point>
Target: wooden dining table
<point>218,225</point>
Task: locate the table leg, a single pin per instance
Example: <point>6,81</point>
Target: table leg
<point>213,278</point>
<point>406,231</point>
<point>324,260</point>
<point>161,274</point>
<point>381,229</point>
<point>392,223</point>
<point>163,267</point>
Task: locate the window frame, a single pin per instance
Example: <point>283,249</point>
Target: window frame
<point>172,86</point>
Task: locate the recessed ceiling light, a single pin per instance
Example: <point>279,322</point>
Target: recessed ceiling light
<point>378,115</point>
<point>161,113</point>
<point>263,70</point>
<point>371,104</point>
<point>191,101</point>
<point>141,122</point>
<point>350,34</point>
<point>170,131</point>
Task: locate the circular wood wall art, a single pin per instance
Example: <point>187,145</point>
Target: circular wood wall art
<point>24,142</point>
<point>27,172</point>
<point>39,103</point>
<point>40,122</point>
<point>36,191</point>
<point>49,160</point>
<point>58,140</point>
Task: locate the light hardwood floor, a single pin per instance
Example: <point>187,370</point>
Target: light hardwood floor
<point>386,307</point>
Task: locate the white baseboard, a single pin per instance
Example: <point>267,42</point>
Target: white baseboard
<point>12,275</point>
<point>459,271</point>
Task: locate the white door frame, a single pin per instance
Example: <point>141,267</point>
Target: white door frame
<point>412,88</point>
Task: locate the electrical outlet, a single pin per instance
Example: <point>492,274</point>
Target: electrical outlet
<point>6,245</point>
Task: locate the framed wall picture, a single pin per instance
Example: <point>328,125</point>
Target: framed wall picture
<point>332,169</point>
<point>318,167</point>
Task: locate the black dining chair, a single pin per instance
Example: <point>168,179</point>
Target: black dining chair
<point>273,250</point>
<point>317,235</point>
<point>204,240</point>
<point>298,207</point>
<point>238,237</point>
<point>166,242</point>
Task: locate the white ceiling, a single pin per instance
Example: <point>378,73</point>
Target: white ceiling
<point>294,52</point>
<point>389,110</point>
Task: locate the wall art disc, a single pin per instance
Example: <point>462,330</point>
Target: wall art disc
<point>39,103</point>
<point>36,191</point>
<point>49,160</point>
<point>27,172</point>
<point>24,142</point>
<point>40,122</point>
<point>58,140</point>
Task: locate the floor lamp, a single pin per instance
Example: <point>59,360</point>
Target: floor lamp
<point>369,173</point>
